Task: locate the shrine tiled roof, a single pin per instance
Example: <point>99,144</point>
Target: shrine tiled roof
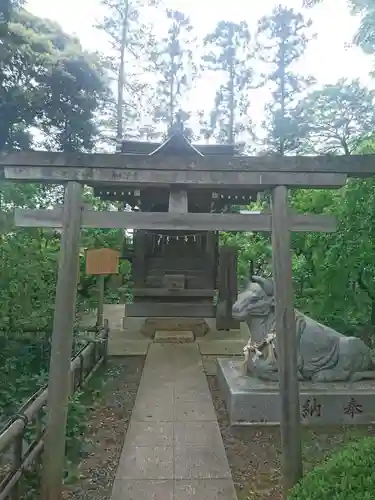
<point>177,143</point>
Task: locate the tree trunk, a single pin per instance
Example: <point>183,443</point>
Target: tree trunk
<point>231,90</point>
<point>171,92</point>
<point>121,84</point>
<point>121,75</point>
<point>345,147</point>
<point>282,103</point>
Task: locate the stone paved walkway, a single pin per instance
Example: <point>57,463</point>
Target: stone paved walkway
<point>173,449</point>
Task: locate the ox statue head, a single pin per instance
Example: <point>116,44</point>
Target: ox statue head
<point>255,300</point>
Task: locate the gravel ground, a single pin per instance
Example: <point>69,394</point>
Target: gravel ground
<point>254,453</point>
<point>108,423</point>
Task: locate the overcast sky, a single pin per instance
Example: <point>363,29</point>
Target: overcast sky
<point>327,58</point>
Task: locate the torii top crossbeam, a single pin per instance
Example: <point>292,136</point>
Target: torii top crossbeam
<point>201,171</point>
<point>353,165</point>
<point>177,162</point>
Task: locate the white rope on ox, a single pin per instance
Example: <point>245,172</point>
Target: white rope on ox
<point>257,349</point>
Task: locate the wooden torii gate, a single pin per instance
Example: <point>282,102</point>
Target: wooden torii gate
<point>174,173</point>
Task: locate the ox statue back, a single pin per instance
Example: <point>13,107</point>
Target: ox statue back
<point>324,355</point>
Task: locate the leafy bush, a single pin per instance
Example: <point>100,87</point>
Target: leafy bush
<point>347,475</point>
<point>24,370</point>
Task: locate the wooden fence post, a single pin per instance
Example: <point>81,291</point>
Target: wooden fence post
<point>62,341</point>
<point>17,462</point>
<point>286,340</point>
<point>105,343</point>
<point>101,294</point>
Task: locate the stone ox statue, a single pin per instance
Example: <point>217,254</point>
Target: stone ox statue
<point>324,355</point>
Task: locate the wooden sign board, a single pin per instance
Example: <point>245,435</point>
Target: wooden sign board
<point>102,261</point>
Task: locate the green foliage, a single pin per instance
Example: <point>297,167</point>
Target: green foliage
<point>130,39</point>
<point>334,272</point>
<point>282,39</point>
<point>335,118</point>
<point>47,82</point>
<point>347,475</point>
<point>172,59</point>
<point>28,267</point>
<point>76,426</point>
<point>228,51</point>
<point>80,404</point>
<point>251,248</point>
<point>24,363</point>
<point>365,34</point>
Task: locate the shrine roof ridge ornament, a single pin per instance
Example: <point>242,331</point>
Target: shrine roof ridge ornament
<point>353,165</point>
<point>176,143</point>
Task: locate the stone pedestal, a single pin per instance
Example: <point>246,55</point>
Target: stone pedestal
<point>182,337</point>
<point>197,326</point>
<point>251,401</point>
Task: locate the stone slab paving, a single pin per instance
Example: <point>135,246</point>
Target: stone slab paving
<point>173,448</point>
<point>126,338</point>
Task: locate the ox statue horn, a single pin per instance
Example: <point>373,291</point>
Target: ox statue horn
<point>266,284</point>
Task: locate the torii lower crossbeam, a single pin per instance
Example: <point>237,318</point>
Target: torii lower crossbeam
<point>173,221</point>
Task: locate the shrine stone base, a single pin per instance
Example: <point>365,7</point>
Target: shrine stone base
<point>198,326</point>
<point>251,401</point>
